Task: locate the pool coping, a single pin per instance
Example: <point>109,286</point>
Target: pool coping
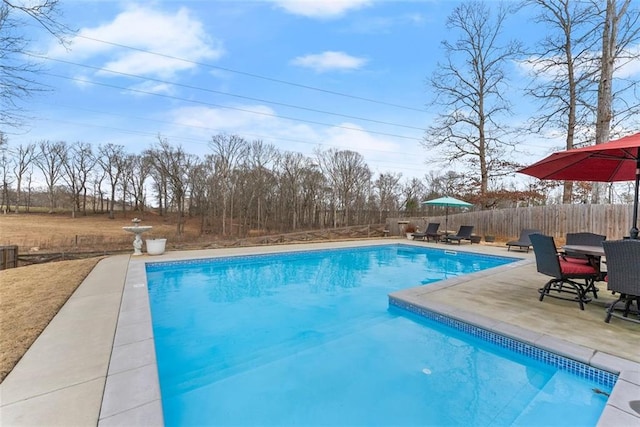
<point>123,389</point>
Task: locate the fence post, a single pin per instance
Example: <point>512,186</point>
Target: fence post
<point>8,256</point>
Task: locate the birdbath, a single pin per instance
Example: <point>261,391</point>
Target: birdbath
<point>137,229</point>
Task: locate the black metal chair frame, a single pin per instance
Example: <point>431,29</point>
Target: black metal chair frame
<point>464,233</point>
<point>523,242</point>
<point>431,231</point>
<point>548,263</point>
<point>623,276</point>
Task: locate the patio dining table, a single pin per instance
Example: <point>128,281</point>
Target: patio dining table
<point>589,250</point>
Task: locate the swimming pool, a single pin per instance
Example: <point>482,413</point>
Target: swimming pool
<point>308,338</point>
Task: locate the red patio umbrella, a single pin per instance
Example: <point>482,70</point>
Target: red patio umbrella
<point>611,161</point>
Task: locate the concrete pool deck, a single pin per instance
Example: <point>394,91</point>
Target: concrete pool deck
<point>94,364</point>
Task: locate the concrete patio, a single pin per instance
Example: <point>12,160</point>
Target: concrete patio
<point>95,363</point>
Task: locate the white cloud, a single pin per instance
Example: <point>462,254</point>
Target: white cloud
<point>322,9</point>
<point>146,88</point>
<point>631,67</point>
<point>174,35</point>
<point>203,122</point>
<point>222,119</point>
<point>385,24</point>
<point>542,67</point>
<point>329,61</point>
<point>352,137</point>
<point>416,18</point>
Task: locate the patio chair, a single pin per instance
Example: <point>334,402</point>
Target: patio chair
<point>464,233</point>
<point>588,239</point>
<point>523,241</point>
<point>563,273</point>
<point>623,275</point>
<point>430,232</point>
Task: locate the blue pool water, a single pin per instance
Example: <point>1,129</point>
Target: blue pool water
<point>308,338</point>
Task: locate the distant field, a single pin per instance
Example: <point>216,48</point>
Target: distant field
<point>30,296</point>
<point>59,232</point>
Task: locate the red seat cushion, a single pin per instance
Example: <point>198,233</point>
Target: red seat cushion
<point>575,260</point>
<point>570,268</point>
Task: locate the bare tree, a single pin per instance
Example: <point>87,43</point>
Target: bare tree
<point>446,183</point>
<point>200,201</point>
<point>44,12</point>
<point>160,183</point>
<point>29,189</point>
<point>141,166</point>
<point>292,166</point>
<point>412,193</point>
<point>4,171</point>
<point>77,165</point>
<point>620,30</point>
<point>313,183</point>
<point>609,54</point>
<point>349,177</point>
<point>260,161</point>
<point>563,71</point>
<point>98,193</point>
<point>18,74</point>
<point>125,181</point>
<point>176,166</point>
<point>228,151</point>
<point>469,90</point>
<point>50,160</point>
<point>111,159</point>
<point>388,190</point>
<point>23,157</point>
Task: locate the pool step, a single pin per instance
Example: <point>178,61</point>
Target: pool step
<point>540,410</point>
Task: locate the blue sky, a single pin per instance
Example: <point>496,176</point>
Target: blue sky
<point>301,75</point>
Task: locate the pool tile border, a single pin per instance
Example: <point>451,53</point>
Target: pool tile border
<point>305,252</point>
<point>120,407</point>
<point>580,369</point>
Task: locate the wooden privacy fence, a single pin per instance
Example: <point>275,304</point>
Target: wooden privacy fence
<point>614,221</point>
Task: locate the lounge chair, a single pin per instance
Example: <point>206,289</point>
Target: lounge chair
<point>550,263</point>
<point>623,275</point>
<point>464,233</point>
<point>430,232</point>
<point>523,242</point>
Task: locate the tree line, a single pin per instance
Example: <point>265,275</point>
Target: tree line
<point>239,185</point>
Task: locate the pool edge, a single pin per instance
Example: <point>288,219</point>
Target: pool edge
<point>145,377</point>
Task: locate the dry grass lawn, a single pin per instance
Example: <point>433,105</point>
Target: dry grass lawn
<point>29,298</point>
<point>61,232</point>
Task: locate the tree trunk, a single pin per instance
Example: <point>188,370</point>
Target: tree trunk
<point>605,84</point>
<point>18,192</point>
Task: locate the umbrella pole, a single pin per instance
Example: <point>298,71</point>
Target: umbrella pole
<point>633,233</point>
<point>446,220</point>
